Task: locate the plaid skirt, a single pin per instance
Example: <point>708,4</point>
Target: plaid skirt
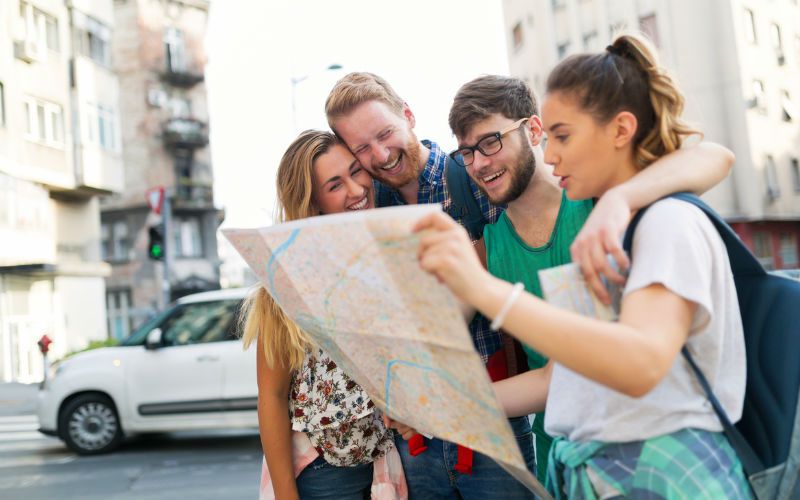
<point>690,463</point>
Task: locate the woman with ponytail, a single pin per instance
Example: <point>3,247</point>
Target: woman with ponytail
<point>322,436</point>
<point>629,417</point>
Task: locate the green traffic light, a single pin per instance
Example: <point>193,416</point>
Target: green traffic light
<point>156,251</point>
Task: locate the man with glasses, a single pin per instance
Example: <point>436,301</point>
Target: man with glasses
<point>495,120</point>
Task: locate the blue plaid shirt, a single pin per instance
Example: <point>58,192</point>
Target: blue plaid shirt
<point>433,189</point>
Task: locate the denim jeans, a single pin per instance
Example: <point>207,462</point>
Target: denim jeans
<point>321,481</point>
<point>431,475</point>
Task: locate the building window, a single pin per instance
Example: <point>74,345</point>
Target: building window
<point>762,247</point>
<point>788,107</point>
<point>590,42</point>
<point>114,241</point>
<point>118,308</point>
<point>92,38</point>
<point>175,50</point>
<point>100,126</point>
<point>759,100</point>
<point>788,250</point>
<point>38,31</point>
<point>562,50</point>
<point>797,49</point>
<point>187,237</point>
<point>795,174</point>
<point>2,105</point>
<point>516,35</point>
<point>771,179</point>
<point>750,26</point>
<point>44,122</point>
<point>777,42</point>
<point>649,27</point>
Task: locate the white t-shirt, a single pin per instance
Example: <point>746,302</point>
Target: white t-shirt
<point>676,245</point>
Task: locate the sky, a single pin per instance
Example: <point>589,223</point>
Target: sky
<point>425,49</point>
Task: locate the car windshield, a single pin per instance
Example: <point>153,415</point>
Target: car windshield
<point>192,323</point>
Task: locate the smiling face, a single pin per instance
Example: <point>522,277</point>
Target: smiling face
<point>582,151</point>
<point>505,175</point>
<point>340,183</point>
<point>383,142</point>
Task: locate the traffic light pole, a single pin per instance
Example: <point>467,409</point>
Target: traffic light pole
<point>166,215</point>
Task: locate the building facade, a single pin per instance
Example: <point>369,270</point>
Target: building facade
<point>158,57</point>
<point>59,152</point>
<point>738,64</point>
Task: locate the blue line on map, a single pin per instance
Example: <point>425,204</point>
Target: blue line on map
<point>388,383</point>
<point>272,263</point>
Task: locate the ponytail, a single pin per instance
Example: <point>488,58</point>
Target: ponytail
<point>627,77</point>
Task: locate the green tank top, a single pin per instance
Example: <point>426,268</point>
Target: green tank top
<point>510,258</point>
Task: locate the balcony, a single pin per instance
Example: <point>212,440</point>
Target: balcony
<point>181,76</point>
<point>191,193</point>
<point>185,133</point>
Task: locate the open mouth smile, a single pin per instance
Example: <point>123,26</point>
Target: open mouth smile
<point>359,205</point>
<point>388,168</point>
<point>489,179</point>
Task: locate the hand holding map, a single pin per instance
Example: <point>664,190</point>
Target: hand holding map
<point>353,283</point>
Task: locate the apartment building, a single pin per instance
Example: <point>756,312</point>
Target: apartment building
<point>59,152</point>
<point>158,57</point>
<point>738,63</point>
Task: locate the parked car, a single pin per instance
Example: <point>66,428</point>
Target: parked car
<point>184,369</point>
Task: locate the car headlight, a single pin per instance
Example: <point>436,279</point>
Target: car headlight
<point>55,370</point>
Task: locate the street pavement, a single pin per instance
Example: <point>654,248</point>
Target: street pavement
<point>203,465</point>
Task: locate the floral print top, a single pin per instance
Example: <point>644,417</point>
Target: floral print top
<point>337,415</point>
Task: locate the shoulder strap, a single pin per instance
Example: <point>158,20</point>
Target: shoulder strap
<point>743,262</point>
<point>465,207</point>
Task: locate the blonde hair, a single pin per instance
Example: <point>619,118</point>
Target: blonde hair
<point>357,88</point>
<point>262,318</point>
<point>628,77</point>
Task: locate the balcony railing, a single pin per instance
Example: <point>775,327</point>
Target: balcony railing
<point>185,133</point>
<point>184,77</point>
<point>191,193</point>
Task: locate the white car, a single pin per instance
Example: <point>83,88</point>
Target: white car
<point>184,369</point>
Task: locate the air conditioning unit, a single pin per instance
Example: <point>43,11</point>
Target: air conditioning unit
<point>27,50</point>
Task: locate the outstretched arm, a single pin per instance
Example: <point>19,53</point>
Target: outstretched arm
<point>630,356</point>
<point>696,169</point>
<point>525,393</point>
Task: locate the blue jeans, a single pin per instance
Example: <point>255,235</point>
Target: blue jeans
<point>431,475</point>
<point>321,481</point>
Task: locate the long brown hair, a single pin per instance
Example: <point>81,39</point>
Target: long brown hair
<point>261,316</point>
<point>627,77</point>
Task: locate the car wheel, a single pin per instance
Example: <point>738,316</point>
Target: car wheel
<point>89,425</point>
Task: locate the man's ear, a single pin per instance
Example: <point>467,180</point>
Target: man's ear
<point>534,129</point>
<point>408,115</point>
<point>623,128</point>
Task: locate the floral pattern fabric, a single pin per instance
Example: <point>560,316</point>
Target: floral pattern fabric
<point>337,415</point>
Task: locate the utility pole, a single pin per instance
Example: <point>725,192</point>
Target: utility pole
<point>166,215</point>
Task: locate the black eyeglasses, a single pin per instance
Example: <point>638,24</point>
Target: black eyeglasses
<point>488,146</point>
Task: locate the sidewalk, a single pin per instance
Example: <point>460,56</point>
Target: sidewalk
<point>17,399</point>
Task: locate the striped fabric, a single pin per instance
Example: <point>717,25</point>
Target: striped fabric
<point>433,189</point>
<point>686,464</point>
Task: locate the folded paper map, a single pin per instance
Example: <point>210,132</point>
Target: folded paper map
<point>353,283</point>
<point>564,287</point>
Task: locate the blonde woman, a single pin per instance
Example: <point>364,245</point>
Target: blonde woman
<point>322,436</point>
<point>630,421</point>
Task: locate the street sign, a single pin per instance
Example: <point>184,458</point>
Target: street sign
<point>155,198</point>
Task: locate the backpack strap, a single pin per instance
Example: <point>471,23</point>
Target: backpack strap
<point>465,207</point>
<point>742,262</point>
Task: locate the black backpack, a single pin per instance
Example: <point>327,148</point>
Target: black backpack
<point>465,207</point>
<point>767,438</point>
